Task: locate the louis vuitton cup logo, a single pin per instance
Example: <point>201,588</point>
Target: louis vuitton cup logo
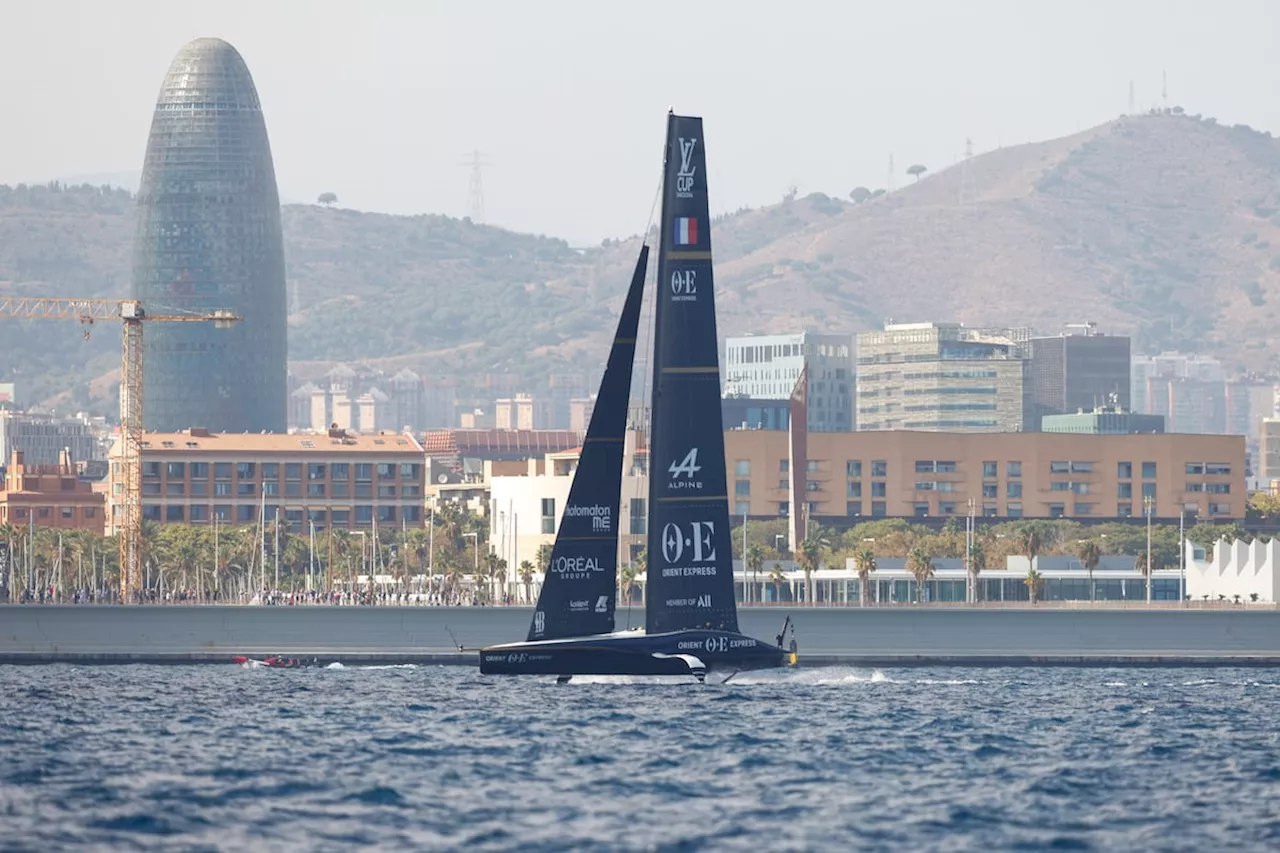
<point>684,177</point>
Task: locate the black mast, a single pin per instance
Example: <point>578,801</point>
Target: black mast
<point>689,580</point>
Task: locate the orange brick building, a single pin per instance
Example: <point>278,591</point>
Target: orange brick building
<point>50,496</point>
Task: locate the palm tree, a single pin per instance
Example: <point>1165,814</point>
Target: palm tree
<point>865,561</point>
<point>920,564</point>
<point>1147,563</point>
<point>776,577</point>
<point>810,555</point>
<point>755,562</point>
<point>526,578</point>
<point>1032,542</point>
<point>1033,584</point>
<point>1089,555</point>
<point>627,581</point>
<point>977,565</point>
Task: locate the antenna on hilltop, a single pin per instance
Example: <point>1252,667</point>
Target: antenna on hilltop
<point>1164,88</point>
<point>477,162</point>
<point>966,176</point>
<point>890,186</point>
<point>1132,105</point>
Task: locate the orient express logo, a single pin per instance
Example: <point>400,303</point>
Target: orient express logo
<point>684,285</point>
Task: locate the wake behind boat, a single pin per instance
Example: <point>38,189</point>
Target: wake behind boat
<point>691,615</point>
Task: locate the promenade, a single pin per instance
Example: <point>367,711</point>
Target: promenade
<point>1039,635</point>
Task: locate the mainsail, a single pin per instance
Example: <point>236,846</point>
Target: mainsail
<point>578,593</point>
<point>689,581</point>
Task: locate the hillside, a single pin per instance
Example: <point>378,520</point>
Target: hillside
<point>1166,227</point>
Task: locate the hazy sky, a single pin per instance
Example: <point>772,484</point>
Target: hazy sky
<point>380,100</point>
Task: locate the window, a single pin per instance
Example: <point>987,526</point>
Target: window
<point>1059,486</point>
<point>990,470</point>
<point>1124,470</point>
<point>878,509</point>
<point>1195,487</point>
<point>271,490</point>
<point>784,466</point>
<point>174,512</point>
<point>246,512</point>
<point>271,470</point>
<point>293,470</point>
<point>386,490</point>
<point>386,470</point>
<point>853,508</point>
<point>990,510</point>
<point>1195,467</point>
<point>411,513</point>
<point>151,488</point>
<point>222,512</point>
<point>1148,490</point>
<point>853,490</point>
<point>340,488</point>
<point>175,470</point>
<point>742,508</point>
<point>314,490</point>
<point>925,485</point>
<point>945,467</point>
<point>1082,509</point>
<point>364,490</point>
<point>364,514</point>
<point>149,469</point>
<point>853,468</point>
<point>1148,470</point>
<point>247,490</point>
<point>292,490</point>
<point>991,490</point>
<point>879,468</point>
<point>812,486</point>
<point>409,490</point>
<point>199,513</point>
<point>410,471</point>
<point>1013,490</point>
<point>784,484</point>
<point>244,470</point>
<point>386,513</point>
<point>1124,490</point>
<point>784,508</point>
<point>878,490</point>
<point>222,470</point>
<point>1059,467</point>
<point>811,465</point>
<point>947,508</point>
<point>1124,511</point>
<point>924,467</point>
<point>1013,469</point>
<point>1217,469</point>
<point>151,512</point>
<point>340,517</point>
<point>921,509</point>
<point>221,489</point>
<point>548,514</point>
<point>178,488</point>
<point>199,470</point>
<point>1218,488</point>
<point>317,517</point>
<point>339,471</point>
<point>1057,510</point>
<point>1219,509</point>
<point>364,472</point>
<point>742,488</point>
<point>67,511</point>
<point>742,468</point>
<point>639,517</point>
<point>315,471</point>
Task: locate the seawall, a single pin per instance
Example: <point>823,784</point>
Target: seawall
<point>902,636</point>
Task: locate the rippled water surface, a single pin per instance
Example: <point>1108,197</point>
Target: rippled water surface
<point>205,758</point>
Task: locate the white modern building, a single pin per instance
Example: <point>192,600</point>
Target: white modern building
<point>525,509</point>
<point>767,366</point>
<point>42,438</point>
<point>1238,571</point>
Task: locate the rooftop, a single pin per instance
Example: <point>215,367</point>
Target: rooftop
<point>205,441</point>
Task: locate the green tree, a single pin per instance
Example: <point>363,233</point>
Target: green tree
<point>920,564</point>
<point>1089,555</point>
<point>754,563</point>
<point>977,565</point>
<point>864,561</point>
<point>526,578</point>
<point>1033,582</point>
<point>810,555</point>
<point>917,170</point>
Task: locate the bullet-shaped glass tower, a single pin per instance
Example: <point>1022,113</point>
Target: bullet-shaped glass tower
<point>208,237</point>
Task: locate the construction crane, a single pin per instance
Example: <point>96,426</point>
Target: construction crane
<point>133,315</point>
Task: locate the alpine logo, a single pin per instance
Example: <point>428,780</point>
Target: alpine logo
<point>684,177</point>
<point>686,468</point>
<point>602,604</point>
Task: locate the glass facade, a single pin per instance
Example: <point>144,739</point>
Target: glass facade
<point>209,237</point>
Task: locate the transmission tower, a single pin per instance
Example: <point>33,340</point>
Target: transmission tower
<point>967,194</point>
<point>477,162</point>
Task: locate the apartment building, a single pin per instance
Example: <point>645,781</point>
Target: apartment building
<point>942,377</point>
<point>42,438</point>
<point>1011,475</point>
<point>50,496</point>
<point>766,367</point>
<point>331,479</point>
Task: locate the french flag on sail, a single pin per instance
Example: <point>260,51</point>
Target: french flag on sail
<point>686,231</point>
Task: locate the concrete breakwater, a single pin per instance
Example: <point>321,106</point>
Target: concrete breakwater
<point>854,636</point>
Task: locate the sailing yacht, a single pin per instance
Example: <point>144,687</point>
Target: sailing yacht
<point>691,616</point>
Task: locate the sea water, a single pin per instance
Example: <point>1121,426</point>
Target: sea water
<point>427,758</point>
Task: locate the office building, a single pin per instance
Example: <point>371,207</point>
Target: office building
<point>766,367</point>
<point>942,377</point>
<point>332,479</point>
<point>755,413</point>
<point>1011,475</point>
<point>208,237</point>
<point>1102,422</point>
<point>1078,373</point>
<point>1269,450</point>
<point>41,438</point>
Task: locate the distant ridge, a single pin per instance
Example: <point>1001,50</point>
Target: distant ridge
<point>1163,226</point>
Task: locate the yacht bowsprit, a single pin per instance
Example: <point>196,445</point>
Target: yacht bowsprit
<point>691,616</point>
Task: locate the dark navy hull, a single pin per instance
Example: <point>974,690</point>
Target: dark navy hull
<point>635,653</point>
